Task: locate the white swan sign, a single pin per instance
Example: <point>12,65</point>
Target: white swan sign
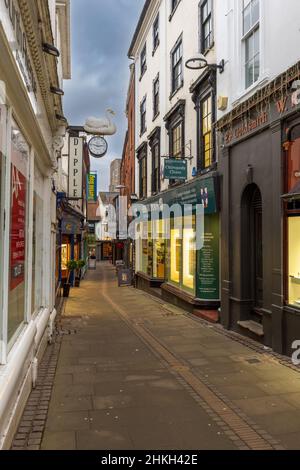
<point>100,126</point>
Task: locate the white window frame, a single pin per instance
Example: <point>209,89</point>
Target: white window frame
<point>245,36</point>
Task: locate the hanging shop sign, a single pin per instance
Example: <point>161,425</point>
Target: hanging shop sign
<point>75,167</point>
<point>200,191</point>
<point>175,169</point>
<point>208,269</point>
<point>92,187</point>
<point>18,228</point>
<point>71,226</point>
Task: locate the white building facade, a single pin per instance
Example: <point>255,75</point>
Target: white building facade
<point>175,112</point>
<point>31,131</point>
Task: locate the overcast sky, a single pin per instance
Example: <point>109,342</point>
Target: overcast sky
<point>101,34</point>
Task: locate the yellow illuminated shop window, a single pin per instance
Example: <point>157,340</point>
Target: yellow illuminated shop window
<point>158,250</point>
<point>294,260</point>
<point>175,254</point>
<point>189,258</point>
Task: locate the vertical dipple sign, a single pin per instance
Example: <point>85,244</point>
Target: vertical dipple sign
<point>75,167</point>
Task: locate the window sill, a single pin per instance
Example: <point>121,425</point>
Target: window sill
<point>155,116</point>
<point>176,91</point>
<point>155,48</point>
<point>208,50</point>
<point>143,132</point>
<point>245,94</point>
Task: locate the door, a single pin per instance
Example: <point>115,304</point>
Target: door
<point>258,249</point>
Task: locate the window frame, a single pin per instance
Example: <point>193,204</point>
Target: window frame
<point>210,18</point>
<point>156,177</point>
<point>143,116</point>
<point>246,36</point>
<point>143,172</point>
<point>178,45</point>
<point>143,61</point>
<point>156,33</point>
<point>203,165</point>
<point>156,97</point>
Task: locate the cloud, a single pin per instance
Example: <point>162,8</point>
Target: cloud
<point>101,34</point>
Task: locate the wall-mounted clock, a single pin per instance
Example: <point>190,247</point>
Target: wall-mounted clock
<point>98,147</point>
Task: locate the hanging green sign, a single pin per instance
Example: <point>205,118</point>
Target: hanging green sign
<point>175,169</point>
<point>92,187</point>
<point>208,267</point>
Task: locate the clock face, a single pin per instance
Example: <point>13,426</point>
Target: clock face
<point>98,147</point>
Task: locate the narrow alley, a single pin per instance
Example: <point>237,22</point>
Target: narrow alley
<point>134,373</point>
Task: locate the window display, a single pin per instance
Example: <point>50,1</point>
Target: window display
<point>294,260</point>
<point>189,258</point>
<point>175,253</point>
<point>37,254</point>
<point>159,253</point>
<point>18,229</point>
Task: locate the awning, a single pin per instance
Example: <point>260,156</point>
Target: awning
<point>294,194</point>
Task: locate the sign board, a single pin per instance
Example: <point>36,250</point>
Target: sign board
<point>92,187</point>
<point>75,167</point>
<point>124,277</point>
<point>18,228</point>
<point>175,169</point>
<point>208,269</point>
<point>71,226</point>
<point>199,191</point>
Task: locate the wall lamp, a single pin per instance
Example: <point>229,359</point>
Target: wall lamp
<point>199,62</point>
<point>61,118</point>
<point>57,91</point>
<point>50,49</point>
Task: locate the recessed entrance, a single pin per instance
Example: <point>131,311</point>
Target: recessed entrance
<point>252,251</point>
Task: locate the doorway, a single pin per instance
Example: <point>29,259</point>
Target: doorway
<point>252,250</point>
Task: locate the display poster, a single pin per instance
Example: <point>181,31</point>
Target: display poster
<point>208,270</point>
<point>18,226</point>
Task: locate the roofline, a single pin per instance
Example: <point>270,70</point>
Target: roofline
<point>139,25</point>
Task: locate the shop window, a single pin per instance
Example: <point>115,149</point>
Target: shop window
<point>18,230</point>
<point>175,252</point>
<point>294,260</point>
<point>150,251</point>
<point>159,250</point>
<point>189,254</point>
<point>37,254</point>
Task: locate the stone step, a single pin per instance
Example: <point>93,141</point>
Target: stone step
<point>212,316</point>
<point>252,326</point>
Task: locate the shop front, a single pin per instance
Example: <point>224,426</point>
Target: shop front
<point>167,255</point>
<point>259,163</point>
<point>291,200</point>
<point>27,161</point>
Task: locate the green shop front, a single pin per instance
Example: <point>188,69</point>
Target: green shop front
<point>170,266</point>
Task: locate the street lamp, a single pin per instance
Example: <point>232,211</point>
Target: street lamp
<point>199,62</point>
